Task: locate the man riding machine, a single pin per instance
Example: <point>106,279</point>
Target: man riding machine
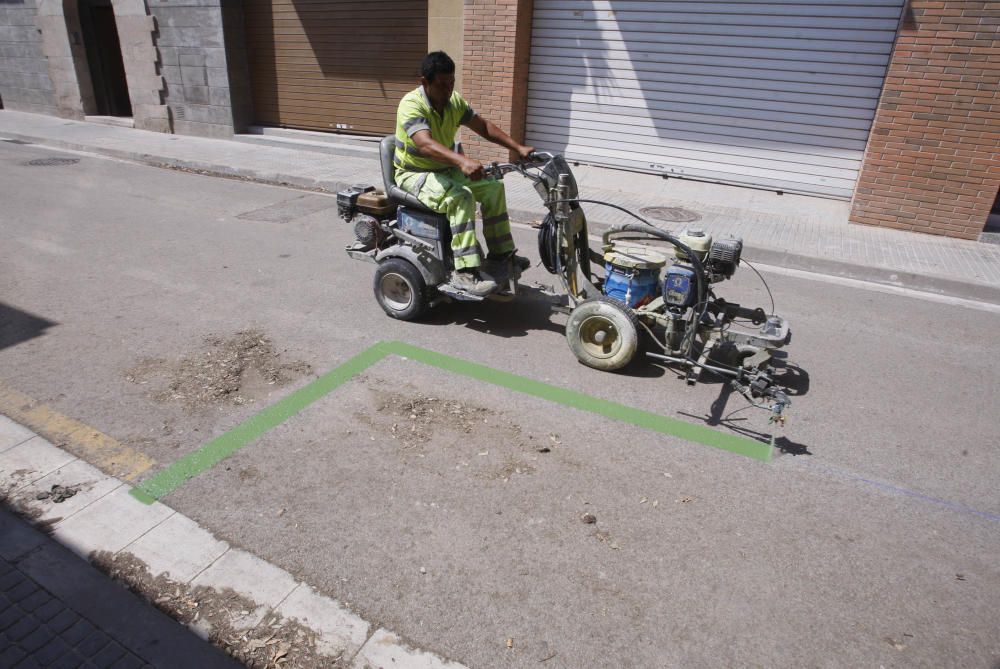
<point>450,183</point>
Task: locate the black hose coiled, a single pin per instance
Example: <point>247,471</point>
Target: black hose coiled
<point>548,245</point>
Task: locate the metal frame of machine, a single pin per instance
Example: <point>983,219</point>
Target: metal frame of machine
<point>680,311</point>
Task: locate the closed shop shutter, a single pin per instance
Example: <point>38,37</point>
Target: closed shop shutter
<point>776,94</point>
<point>332,64</point>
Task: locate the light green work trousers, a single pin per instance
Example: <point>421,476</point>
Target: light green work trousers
<point>453,194</point>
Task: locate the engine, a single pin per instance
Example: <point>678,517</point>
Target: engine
<point>632,276</point>
<point>723,258</point>
<point>719,258</point>
<point>365,207</point>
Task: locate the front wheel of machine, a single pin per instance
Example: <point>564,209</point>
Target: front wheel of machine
<point>602,333</point>
<point>400,289</point>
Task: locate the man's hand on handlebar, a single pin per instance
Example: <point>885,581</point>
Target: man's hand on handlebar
<point>530,158</point>
<point>472,169</point>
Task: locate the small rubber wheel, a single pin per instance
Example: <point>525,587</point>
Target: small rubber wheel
<point>602,333</point>
<point>400,289</point>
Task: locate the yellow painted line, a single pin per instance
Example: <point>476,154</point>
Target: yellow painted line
<point>105,453</point>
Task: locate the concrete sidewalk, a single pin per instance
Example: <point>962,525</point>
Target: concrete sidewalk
<point>791,231</point>
<point>58,611</point>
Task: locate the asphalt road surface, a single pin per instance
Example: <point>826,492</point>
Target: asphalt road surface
<point>448,509</point>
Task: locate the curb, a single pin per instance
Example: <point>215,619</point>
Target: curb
<point>104,518</point>
<point>207,168</point>
<point>923,283</point>
<point>888,277</point>
<point>909,280</point>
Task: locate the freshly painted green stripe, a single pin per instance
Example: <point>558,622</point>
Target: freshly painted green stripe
<point>222,447</point>
<point>141,496</point>
<point>645,419</point>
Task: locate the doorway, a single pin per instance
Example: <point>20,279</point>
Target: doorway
<point>104,58</point>
<point>991,231</point>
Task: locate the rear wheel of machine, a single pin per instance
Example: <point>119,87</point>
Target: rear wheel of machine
<point>400,289</point>
<point>602,333</point>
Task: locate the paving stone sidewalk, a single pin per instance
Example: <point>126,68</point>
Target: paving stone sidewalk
<point>56,610</point>
<point>792,231</point>
<point>39,630</point>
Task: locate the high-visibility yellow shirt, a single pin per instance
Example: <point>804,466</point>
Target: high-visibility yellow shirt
<point>415,114</point>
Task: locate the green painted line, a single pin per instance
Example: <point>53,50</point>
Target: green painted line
<point>626,414</point>
<point>222,447</point>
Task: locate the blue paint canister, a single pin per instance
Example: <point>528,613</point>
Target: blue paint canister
<point>679,286</point>
<point>632,275</point>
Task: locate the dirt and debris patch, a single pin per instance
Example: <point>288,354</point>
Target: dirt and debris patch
<point>247,474</point>
<point>32,502</point>
<point>24,506</point>
<point>416,417</point>
<point>231,370</point>
<point>21,505</point>
<point>57,494</point>
<point>274,642</point>
<point>510,468</point>
<point>13,481</point>
<point>606,539</point>
<point>437,431</point>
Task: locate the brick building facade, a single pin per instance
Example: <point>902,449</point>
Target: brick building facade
<point>931,163</point>
<point>495,68</point>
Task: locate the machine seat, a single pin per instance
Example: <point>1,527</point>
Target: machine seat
<point>387,151</point>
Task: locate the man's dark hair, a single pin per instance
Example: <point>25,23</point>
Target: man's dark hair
<point>435,63</point>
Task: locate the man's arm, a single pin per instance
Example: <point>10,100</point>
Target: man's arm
<point>431,148</point>
<point>487,130</point>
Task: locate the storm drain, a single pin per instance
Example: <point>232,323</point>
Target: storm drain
<point>51,162</point>
<point>671,214</point>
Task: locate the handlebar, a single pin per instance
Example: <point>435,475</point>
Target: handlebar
<point>498,170</point>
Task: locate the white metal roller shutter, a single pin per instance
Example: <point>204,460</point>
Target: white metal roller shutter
<point>777,94</point>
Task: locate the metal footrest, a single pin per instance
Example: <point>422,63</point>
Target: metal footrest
<point>461,295</point>
<point>359,251</point>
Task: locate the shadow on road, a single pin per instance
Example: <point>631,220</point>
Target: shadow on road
<point>791,378</point>
<point>531,311</point>
<point>18,326</point>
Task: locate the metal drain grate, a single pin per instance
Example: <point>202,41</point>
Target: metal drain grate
<point>671,214</point>
<point>51,162</point>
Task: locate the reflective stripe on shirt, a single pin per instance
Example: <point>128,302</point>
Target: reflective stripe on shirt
<point>415,113</point>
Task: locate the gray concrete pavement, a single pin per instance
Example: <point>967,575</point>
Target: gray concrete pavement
<point>789,230</point>
<point>869,541</point>
<point>57,611</point>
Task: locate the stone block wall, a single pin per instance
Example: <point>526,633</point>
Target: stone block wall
<point>195,66</point>
<point>495,72</point>
<point>25,84</point>
<point>146,87</point>
<point>932,163</point>
<point>67,61</point>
